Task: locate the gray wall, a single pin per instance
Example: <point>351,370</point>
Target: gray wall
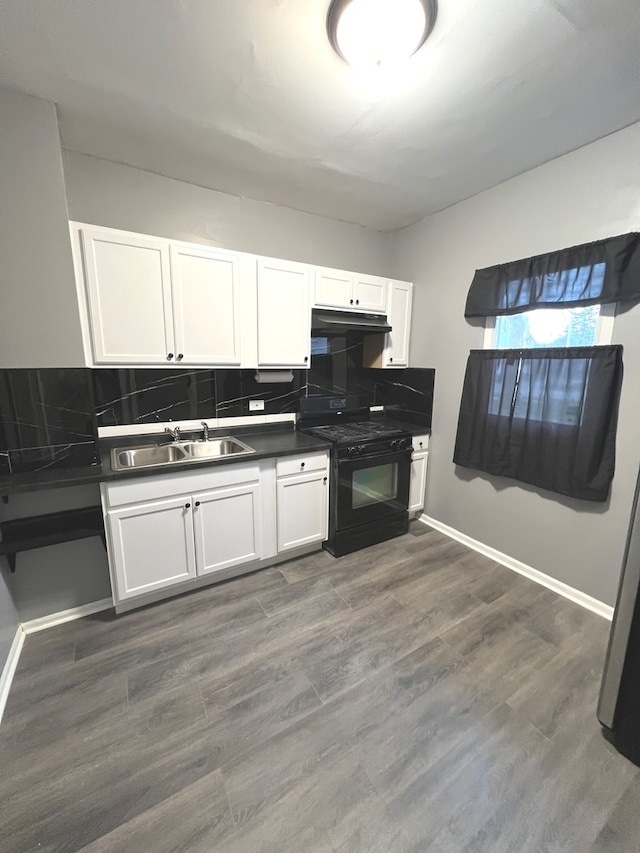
<point>103,193</point>
<point>59,577</point>
<point>9,620</point>
<point>39,321</point>
<point>586,195</point>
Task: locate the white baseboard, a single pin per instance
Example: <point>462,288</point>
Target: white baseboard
<point>561,588</point>
<point>43,622</point>
<point>9,668</point>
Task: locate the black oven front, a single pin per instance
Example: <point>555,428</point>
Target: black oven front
<point>369,500</point>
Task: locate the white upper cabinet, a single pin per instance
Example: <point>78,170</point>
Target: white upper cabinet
<point>206,305</point>
<point>129,296</point>
<point>349,291</point>
<point>392,350</point>
<point>153,301</point>
<point>370,293</point>
<point>284,315</point>
<point>399,314</point>
<point>333,289</point>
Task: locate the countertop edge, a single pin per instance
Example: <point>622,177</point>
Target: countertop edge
<point>271,444</point>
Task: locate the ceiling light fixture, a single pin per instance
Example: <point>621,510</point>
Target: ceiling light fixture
<point>374,33</point>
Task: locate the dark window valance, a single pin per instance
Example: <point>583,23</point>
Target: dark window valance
<point>546,417</point>
<point>604,271</point>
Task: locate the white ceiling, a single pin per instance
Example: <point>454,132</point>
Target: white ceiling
<point>247,97</point>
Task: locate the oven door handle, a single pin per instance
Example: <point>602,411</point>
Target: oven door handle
<point>385,455</point>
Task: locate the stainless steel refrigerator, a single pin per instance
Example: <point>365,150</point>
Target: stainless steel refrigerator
<point>619,705</point>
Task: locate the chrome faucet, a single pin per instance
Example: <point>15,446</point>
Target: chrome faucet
<point>205,430</point>
<point>174,433</point>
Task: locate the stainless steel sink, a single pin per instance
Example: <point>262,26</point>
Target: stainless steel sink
<point>154,455</point>
<point>226,446</point>
<point>143,457</point>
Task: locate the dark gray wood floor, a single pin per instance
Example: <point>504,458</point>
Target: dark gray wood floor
<point>411,697</point>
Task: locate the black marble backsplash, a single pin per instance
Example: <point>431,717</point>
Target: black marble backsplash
<point>336,368</point>
<point>406,394</point>
<point>143,396</point>
<point>49,417</point>
<point>236,387</point>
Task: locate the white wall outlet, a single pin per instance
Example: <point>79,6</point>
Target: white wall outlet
<point>256,405</point>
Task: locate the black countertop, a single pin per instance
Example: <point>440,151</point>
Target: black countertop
<point>407,426</point>
<point>267,441</point>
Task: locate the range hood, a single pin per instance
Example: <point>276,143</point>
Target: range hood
<point>340,322</point>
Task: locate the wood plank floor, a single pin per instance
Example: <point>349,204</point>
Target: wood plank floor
<point>412,697</point>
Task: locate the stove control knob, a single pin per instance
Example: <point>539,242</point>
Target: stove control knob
<point>352,451</point>
<point>394,443</point>
<point>361,448</point>
<point>402,443</point>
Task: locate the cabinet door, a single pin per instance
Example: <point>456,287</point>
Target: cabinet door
<point>418,481</point>
<point>397,349</point>
<point>206,305</point>
<point>302,509</point>
<point>370,293</point>
<point>228,527</point>
<point>284,314</point>
<point>129,297</point>
<point>151,546</point>
<point>333,289</point>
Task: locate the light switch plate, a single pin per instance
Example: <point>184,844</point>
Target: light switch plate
<point>256,405</point>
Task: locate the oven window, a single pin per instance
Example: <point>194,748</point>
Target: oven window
<point>373,485</point>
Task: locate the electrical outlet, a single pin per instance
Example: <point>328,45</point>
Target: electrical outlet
<point>256,405</point>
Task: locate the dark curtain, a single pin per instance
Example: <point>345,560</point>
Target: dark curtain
<point>546,417</point>
<point>605,271</point>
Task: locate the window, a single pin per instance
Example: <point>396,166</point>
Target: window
<point>554,395</point>
<point>584,326</point>
<point>540,400</point>
<point>545,416</point>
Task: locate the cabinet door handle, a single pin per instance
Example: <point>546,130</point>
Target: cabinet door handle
<point>357,302</point>
<point>302,464</point>
<point>390,360</point>
<point>351,302</point>
<point>324,479</point>
<point>169,356</point>
<point>187,506</point>
<point>306,358</point>
<point>197,503</point>
<point>179,357</point>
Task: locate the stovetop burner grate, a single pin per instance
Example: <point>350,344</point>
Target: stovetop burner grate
<point>361,431</point>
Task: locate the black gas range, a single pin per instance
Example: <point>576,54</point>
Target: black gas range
<point>356,439</point>
<point>370,472</point>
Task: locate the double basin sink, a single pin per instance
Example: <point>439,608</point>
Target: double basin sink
<point>151,455</point>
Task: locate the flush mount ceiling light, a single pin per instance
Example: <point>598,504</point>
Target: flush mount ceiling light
<point>374,33</point>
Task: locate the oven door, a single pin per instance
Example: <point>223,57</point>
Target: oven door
<point>372,488</point>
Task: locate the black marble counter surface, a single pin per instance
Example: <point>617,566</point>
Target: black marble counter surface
<point>413,428</point>
<point>267,441</point>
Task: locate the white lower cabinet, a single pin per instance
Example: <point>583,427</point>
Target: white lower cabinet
<point>152,546</point>
<point>302,509</point>
<point>419,463</point>
<point>228,527</point>
<point>418,485</point>
<point>164,531</point>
